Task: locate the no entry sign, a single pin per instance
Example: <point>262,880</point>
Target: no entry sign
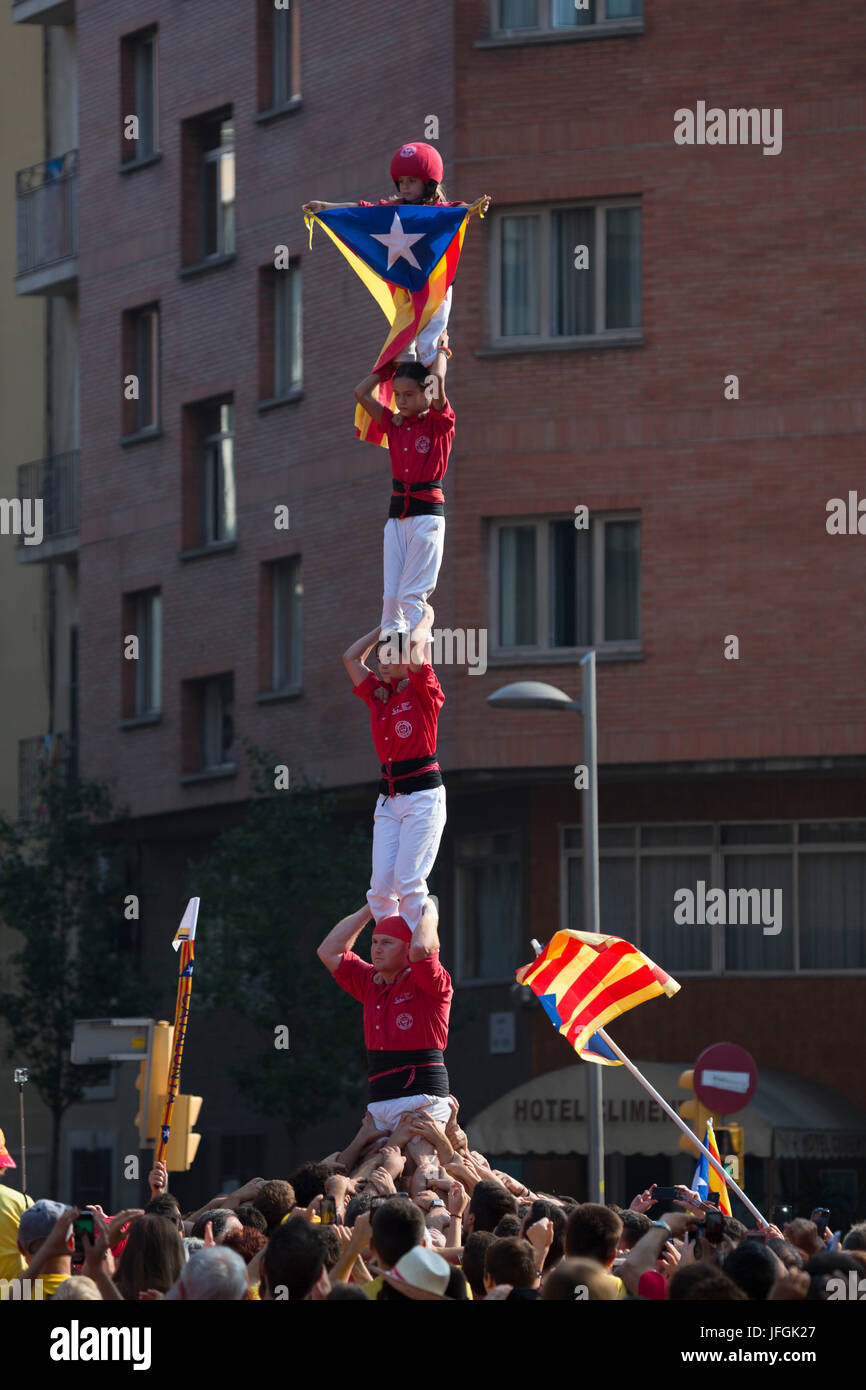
<point>725,1078</point>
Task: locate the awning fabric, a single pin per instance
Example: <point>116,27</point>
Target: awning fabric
<point>789,1117</point>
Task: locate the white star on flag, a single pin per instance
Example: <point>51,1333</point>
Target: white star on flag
<point>399,243</point>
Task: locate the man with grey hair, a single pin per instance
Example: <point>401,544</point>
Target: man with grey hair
<point>215,1274</point>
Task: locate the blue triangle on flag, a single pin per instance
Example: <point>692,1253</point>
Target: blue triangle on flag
<point>548,1003</point>
<point>434,228</point>
<point>599,1048</point>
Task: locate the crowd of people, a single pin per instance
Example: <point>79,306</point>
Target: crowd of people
<point>414,1214</point>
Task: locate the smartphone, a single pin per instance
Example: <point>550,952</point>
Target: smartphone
<point>328,1211</point>
<point>82,1223</point>
<point>713,1226</point>
<point>667,1194</point>
<point>819,1216</point>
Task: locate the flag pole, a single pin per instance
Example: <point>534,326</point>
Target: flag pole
<point>672,1114</point>
<point>184,939</point>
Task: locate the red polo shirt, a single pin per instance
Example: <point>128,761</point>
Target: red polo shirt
<point>419,447</point>
<point>404,725</point>
<point>410,1013</point>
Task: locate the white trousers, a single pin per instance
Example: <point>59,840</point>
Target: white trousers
<point>387,1113</point>
<point>423,348</point>
<point>411,559</point>
<point>407,829</point>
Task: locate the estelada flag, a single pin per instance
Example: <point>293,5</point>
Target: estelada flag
<point>706,1179</point>
<point>406,255</point>
<point>584,979</point>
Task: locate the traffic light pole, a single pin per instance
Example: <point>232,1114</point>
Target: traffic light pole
<point>669,1110</point>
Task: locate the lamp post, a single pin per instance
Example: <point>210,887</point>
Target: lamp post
<point>538,695</point>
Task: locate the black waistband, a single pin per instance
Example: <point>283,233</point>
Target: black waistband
<point>429,486</point>
<point>407,1073</point>
<point>406,506</point>
<point>403,776</point>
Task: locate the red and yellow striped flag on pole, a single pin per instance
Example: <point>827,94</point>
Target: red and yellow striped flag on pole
<point>184,940</point>
<point>584,979</point>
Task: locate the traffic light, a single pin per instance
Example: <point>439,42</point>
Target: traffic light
<point>731,1144</point>
<point>182,1143</point>
<point>694,1113</point>
<point>151,1083</point>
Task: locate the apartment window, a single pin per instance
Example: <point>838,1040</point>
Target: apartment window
<point>207,726</point>
<point>538,293</point>
<point>139,93</point>
<point>218,496</point>
<point>488,901</point>
<point>279,67</point>
<point>286,628</point>
<point>558,588</point>
<point>208,188</point>
<point>142,674</point>
<point>281,330</point>
<point>141,360</point>
<point>534,16</point>
<point>807,878</point>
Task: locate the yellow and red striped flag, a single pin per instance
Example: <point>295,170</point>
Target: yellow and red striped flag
<point>706,1179</point>
<point>407,256</point>
<point>584,979</point>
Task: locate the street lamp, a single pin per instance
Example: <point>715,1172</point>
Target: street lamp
<point>538,695</point>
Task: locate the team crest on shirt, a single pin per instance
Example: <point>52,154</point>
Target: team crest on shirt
<point>402,728</point>
<point>422,444</point>
<point>404,1021</point>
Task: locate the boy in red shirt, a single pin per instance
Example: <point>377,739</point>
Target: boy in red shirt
<point>404,702</point>
<point>419,437</point>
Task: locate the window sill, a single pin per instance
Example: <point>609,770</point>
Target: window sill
<point>218,548</point>
<point>272,402</point>
<point>564,656</point>
<point>186,272</point>
<point>614,29</point>
<point>141,721</point>
<point>273,113</point>
<point>627,338</point>
<point>141,436</point>
<point>129,166</point>
<point>211,774</point>
<point>270,697</point>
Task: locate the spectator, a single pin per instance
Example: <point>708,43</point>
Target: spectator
<point>754,1268</point>
<point>213,1275</point>
<point>831,1264</point>
<point>362,1201</point>
<point>419,1274</point>
<point>36,1226</point>
<point>165,1205</point>
<point>153,1257</point>
<point>511,1260</point>
<point>309,1181</point>
<point>786,1252</point>
<point>293,1264</point>
<point>804,1235</point>
<point>275,1200</point>
<point>474,1257</point>
<point>78,1287</point>
<point>12,1204</point>
<point>223,1222</point>
<point>856,1238</point>
<point>593,1232</point>
<point>247,1242</point>
<point>489,1202</point>
<point>634,1225</point>
<point>509,1226</point>
<point>248,1215</point>
<point>579,1281</point>
<point>331,1245</point>
<point>701,1282</point>
<point>347,1293</point>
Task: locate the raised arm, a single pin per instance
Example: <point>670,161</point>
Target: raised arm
<point>435,382</point>
<point>316,206</point>
<point>354,658</point>
<point>425,937</point>
<point>342,938</point>
<point>364,396</point>
<point>420,635</point>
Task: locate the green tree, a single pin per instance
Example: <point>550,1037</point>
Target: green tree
<point>61,890</point>
<point>271,889</point>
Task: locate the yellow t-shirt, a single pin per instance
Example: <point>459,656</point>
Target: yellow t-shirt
<point>12,1204</point>
<point>49,1283</point>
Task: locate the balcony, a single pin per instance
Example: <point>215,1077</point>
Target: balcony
<point>43,11</point>
<point>38,757</point>
<point>46,197</point>
<point>49,508</point>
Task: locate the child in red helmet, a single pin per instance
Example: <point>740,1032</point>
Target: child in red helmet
<point>417,171</point>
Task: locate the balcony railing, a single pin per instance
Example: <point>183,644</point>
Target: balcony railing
<point>54,482</point>
<point>37,757</point>
<point>47,203</point>
<point>43,11</point>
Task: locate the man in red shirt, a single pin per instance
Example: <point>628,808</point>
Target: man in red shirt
<point>407,1001</point>
<point>404,701</point>
<point>419,437</point>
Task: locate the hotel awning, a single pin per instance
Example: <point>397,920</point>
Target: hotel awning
<point>789,1117</point>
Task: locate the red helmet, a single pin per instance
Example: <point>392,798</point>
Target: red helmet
<point>417,162</point>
